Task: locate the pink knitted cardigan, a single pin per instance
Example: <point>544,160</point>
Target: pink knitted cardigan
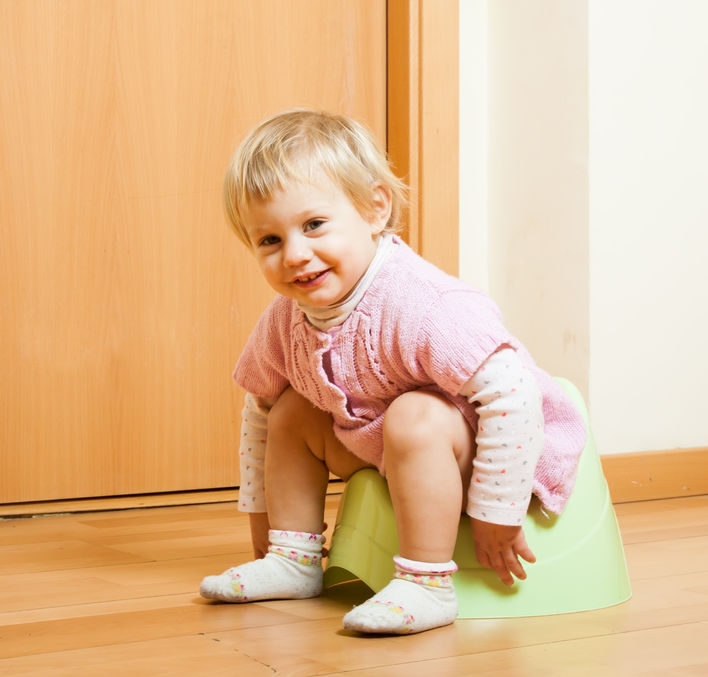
<point>416,327</point>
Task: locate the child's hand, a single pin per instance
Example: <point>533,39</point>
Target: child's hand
<point>259,533</point>
<point>499,547</point>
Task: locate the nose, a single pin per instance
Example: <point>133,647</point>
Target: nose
<point>296,251</point>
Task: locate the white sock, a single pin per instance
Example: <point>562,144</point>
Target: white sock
<point>421,596</point>
<point>292,569</point>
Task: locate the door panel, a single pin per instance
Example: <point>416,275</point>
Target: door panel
<point>124,298</point>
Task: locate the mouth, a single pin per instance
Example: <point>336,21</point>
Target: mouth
<point>310,279</point>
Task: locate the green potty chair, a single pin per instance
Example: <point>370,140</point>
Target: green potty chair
<point>580,560</point>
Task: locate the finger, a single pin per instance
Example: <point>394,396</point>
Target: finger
<point>499,565</point>
<point>514,566</point>
<point>483,557</point>
<point>522,549</point>
<point>526,554</point>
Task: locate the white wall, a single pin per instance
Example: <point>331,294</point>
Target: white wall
<point>649,222</point>
<point>584,174</point>
<point>474,254</point>
<point>524,184</point>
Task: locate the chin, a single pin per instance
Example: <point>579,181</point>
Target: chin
<point>319,303</point>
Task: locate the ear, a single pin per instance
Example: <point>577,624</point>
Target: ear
<point>381,203</point>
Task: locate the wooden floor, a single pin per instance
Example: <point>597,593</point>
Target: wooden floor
<point>114,593</point>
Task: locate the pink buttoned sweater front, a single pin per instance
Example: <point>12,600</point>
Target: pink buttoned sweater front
<point>415,327</point>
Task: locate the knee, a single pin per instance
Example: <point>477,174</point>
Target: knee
<point>288,412</point>
<point>413,419</point>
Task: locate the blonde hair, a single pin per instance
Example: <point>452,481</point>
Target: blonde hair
<point>301,145</point>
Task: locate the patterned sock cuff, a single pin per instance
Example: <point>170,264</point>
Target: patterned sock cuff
<point>431,574</point>
<point>432,581</point>
<point>297,546</point>
<point>300,557</point>
<point>415,567</point>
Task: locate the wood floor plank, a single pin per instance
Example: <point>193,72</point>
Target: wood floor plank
<point>194,617</point>
<point>109,583</point>
<point>685,556</point>
<point>106,593</point>
<point>660,603</point>
<point>195,656</point>
<point>346,652</point>
<point>54,613</point>
<point>60,555</point>
<point>662,520</point>
<point>679,650</point>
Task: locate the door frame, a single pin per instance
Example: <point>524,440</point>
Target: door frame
<point>423,122</point>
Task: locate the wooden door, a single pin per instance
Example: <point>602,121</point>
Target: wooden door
<point>124,299</point>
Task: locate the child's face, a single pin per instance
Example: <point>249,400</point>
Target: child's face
<point>311,243</point>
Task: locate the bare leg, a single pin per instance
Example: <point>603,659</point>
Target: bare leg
<point>301,452</point>
<point>429,449</point>
<point>428,453</point>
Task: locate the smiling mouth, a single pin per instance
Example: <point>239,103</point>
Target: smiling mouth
<point>310,280</point>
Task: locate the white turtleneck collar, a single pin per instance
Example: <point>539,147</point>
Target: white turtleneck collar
<point>326,317</point>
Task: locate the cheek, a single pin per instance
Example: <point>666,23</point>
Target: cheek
<point>266,267</point>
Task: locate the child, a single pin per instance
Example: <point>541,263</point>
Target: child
<point>371,357</point>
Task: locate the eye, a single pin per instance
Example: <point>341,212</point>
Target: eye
<point>314,224</point>
<point>268,240</point>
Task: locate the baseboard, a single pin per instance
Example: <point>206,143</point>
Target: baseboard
<point>644,476</point>
<point>106,503</point>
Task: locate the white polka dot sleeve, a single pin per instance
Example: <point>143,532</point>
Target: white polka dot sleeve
<point>509,438</point>
<point>254,430</point>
